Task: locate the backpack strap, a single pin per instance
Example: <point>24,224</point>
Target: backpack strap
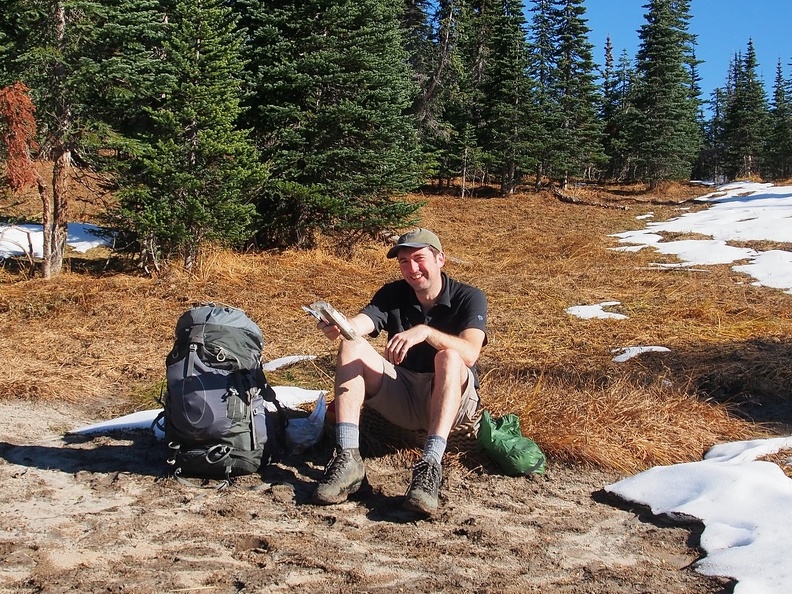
<point>269,395</point>
<point>217,454</point>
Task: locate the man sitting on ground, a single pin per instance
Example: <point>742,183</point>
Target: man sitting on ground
<point>427,377</point>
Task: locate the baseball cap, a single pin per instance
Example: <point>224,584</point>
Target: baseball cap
<point>417,238</point>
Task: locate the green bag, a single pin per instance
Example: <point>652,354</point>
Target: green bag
<point>503,441</point>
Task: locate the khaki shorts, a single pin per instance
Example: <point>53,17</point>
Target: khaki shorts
<point>404,398</point>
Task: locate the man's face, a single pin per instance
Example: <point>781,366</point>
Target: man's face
<point>420,267</point>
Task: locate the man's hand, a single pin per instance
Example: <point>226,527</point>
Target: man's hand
<point>399,344</point>
<point>331,331</point>
<point>467,344</point>
<point>361,324</point>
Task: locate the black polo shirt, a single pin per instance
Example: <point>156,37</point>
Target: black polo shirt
<point>395,308</point>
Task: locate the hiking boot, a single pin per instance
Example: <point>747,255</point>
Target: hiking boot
<point>343,476</point>
<point>422,496</point>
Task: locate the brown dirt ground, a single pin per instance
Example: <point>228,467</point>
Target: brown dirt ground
<point>97,514</point>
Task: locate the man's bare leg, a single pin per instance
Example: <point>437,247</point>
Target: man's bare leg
<point>358,370</point>
<point>450,377</point>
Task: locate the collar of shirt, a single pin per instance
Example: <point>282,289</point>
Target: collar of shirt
<point>444,298</point>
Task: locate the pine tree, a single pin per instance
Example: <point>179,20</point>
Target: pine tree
<point>615,114</point>
<point>194,181</point>
<point>505,93</point>
<point>442,108</point>
<point>419,43</point>
<point>779,142</point>
<point>330,98</point>
<point>610,103</point>
<point>542,69</point>
<point>41,50</point>
<point>471,160</point>
<point>122,60</point>
<point>710,164</point>
<point>745,119</point>
<point>578,140</point>
<point>666,136</point>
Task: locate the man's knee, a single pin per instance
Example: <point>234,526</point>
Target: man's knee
<point>357,358</point>
<point>450,369</point>
<point>353,350</point>
<point>448,362</point>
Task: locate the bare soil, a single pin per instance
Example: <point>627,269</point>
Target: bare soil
<point>98,514</point>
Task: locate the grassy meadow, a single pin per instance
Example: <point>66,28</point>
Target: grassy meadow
<point>99,333</point>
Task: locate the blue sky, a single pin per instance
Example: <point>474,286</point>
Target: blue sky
<point>723,28</point>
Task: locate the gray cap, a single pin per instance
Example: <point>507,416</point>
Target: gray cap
<point>417,238</point>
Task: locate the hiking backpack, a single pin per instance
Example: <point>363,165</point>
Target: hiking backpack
<point>216,422</point>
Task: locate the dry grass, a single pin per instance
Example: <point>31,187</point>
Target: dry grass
<point>103,336</point>
<point>783,459</point>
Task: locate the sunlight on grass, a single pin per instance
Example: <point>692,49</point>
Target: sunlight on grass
<point>103,337</point>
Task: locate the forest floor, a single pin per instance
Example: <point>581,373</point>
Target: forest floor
<point>98,514</point>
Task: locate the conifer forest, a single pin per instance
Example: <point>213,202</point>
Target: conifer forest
<point>254,123</point>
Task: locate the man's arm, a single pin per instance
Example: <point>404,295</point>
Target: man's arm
<point>362,324</point>
<point>468,344</point>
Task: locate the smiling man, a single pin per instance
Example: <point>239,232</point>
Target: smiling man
<point>426,378</point>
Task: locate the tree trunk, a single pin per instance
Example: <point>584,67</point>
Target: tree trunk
<point>509,179</point>
<point>46,223</point>
<point>464,172</point>
<point>426,103</point>
<point>55,213</point>
<point>59,227</point>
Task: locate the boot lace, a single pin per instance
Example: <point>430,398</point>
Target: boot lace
<point>336,466</point>
<point>426,476</point>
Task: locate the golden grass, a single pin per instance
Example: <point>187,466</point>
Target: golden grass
<point>782,459</point>
<point>103,337</point>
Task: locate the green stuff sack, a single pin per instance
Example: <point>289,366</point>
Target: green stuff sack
<point>503,441</point>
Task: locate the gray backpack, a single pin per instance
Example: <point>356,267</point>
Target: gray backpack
<point>215,420</point>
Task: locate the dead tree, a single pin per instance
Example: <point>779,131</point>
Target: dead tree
<point>18,136</point>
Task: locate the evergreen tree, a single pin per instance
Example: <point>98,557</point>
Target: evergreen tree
<point>416,23</point>
<point>76,57</point>
<point>444,119</point>
<point>666,136</point>
<point>610,99</point>
<point>568,131</point>
<point>745,119</point>
<point>506,102</point>
<point>471,159</point>
<point>578,141</point>
<point>40,51</point>
<point>616,116</point>
<point>779,142</point>
<point>193,182</point>
<point>462,154</point>
<point>711,159</point>
<point>330,98</point>
<point>542,69</point>
<point>122,60</point>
